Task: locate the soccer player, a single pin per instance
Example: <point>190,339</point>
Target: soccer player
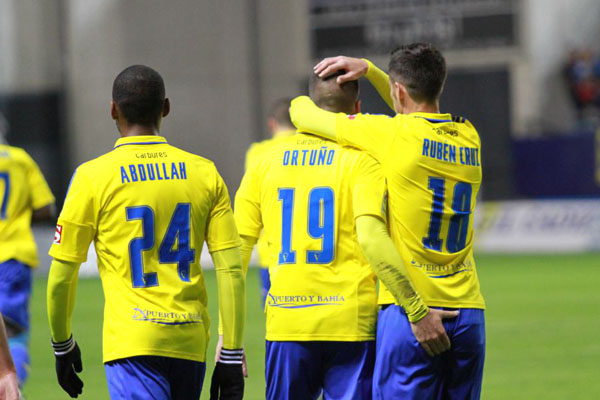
<point>9,386</point>
<point>24,195</point>
<point>148,207</point>
<point>280,127</point>
<point>318,204</point>
<point>432,166</point>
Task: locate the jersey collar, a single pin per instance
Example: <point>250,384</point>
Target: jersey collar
<point>433,117</point>
<point>284,133</point>
<point>137,140</point>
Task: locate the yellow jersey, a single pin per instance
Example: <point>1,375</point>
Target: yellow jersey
<point>148,207</point>
<point>255,153</point>
<point>432,164</point>
<point>22,190</point>
<point>304,195</point>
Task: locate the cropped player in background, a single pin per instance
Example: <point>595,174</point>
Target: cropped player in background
<point>280,127</point>
<point>24,196</point>
<point>320,206</point>
<point>149,207</point>
<point>432,165</point>
<point>9,386</point>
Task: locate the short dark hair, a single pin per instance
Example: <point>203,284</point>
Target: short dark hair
<point>139,92</point>
<point>280,112</point>
<point>331,96</point>
<point>421,68</point>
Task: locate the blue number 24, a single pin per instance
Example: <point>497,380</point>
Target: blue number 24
<point>179,229</point>
<point>320,225</point>
<point>459,221</point>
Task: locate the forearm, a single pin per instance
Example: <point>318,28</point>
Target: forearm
<point>231,284</point>
<point>387,264</point>
<point>307,117</point>
<point>62,287</point>
<point>380,81</point>
<point>246,248</point>
<point>6,362</point>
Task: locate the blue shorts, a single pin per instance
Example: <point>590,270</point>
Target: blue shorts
<point>404,371</point>
<point>302,370</point>
<point>154,378</point>
<point>15,292</point>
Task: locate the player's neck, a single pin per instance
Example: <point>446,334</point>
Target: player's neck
<point>138,130</point>
<point>422,107</point>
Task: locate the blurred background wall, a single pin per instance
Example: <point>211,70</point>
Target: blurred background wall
<point>225,62</point>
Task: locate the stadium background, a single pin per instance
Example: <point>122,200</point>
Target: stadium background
<point>538,223</point>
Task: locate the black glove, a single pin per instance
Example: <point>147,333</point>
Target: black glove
<point>227,381</point>
<point>68,361</point>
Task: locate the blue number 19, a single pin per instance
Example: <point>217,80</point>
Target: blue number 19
<point>459,221</point>
<point>178,230</point>
<point>320,225</point>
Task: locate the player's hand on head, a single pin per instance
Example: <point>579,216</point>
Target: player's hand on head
<point>9,386</point>
<point>68,365</point>
<point>227,382</point>
<point>430,333</point>
<point>354,67</point>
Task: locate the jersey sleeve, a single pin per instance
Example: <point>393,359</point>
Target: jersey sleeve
<point>369,188</point>
<point>221,232</point>
<point>41,195</point>
<point>76,226</point>
<point>248,215</point>
<point>371,133</point>
<point>380,81</point>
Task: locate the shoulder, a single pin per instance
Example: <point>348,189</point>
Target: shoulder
<point>357,158</point>
<point>256,149</point>
<point>17,154</point>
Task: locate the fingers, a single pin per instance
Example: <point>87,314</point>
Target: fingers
<point>445,341</point>
<point>427,349</point>
<point>348,76</point>
<point>244,366</point>
<point>331,68</point>
<point>448,314</point>
<point>78,365</point>
<point>323,64</point>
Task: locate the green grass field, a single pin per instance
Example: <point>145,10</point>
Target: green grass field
<point>542,321</point>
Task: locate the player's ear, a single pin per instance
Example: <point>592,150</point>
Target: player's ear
<point>114,111</point>
<point>271,124</point>
<point>166,107</point>
<point>357,107</point>
<point>402,94</point>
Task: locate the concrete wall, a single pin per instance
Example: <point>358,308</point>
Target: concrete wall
<point>210,55</point>
<point>29,46</point>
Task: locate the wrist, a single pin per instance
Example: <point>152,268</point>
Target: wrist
<point>369,67</point>
<point>418,314</point>
<point>64,347</point>
<point>231,356</point>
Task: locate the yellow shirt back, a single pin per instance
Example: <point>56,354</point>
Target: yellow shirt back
<point>148,207</point>
<point>432,166</point>
<point>305,194</point>
<point>254,154</point>
<point>22,190</point>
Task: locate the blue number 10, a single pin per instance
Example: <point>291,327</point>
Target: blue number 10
<point>178,230</point>
<point>459,221</point>
<point>4,176</point>
<point>320,225</point>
